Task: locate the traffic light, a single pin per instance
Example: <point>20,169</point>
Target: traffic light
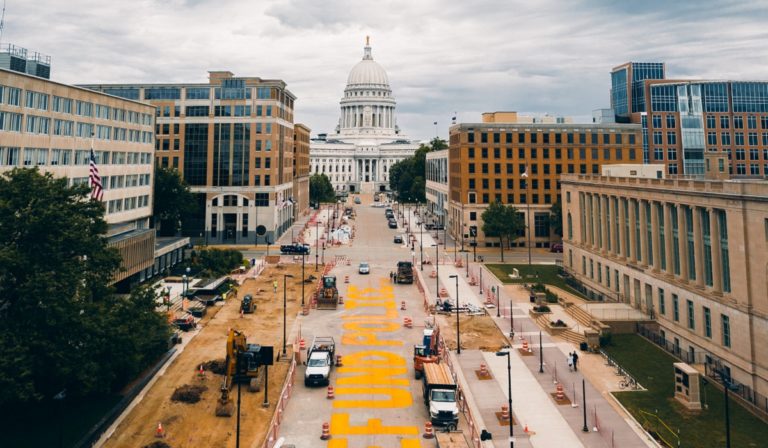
<point>473,231</point>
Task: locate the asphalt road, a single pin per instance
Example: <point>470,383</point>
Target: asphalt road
<point>377,400</point>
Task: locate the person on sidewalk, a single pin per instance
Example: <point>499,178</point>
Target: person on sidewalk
<point>569,359</point>
<point>575,361</point>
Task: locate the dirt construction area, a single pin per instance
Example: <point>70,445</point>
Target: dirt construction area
<point>477,332</point>
<point>195,424</point>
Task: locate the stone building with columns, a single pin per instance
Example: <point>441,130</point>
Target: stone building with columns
<point>367,140</point>
<point>691,254</point>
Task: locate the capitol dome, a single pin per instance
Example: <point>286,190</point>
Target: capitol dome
<point>368,72</point>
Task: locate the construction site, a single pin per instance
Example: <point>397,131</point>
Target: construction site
<point>190,418</point>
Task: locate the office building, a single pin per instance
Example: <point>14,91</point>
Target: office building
<point>683,119</point>
<point>436,190</point>
<point>52,126</point>
<point>367,141</point>
<point>691,253</point>
<point>301,168</point>
<point>232,140</point>
<point>487,161</point>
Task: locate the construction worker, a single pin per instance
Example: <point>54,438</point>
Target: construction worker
<point>274,286</point>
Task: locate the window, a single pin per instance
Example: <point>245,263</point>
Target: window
<point>707,323</point>
<point>710,121</point>
<point>671,138</point>
<point>662,302</point>
<point>724,122</point>
<point>656,121</point>
<point>738,122</point>
<point>675,308</point>
<point>725,322</point>
<point>691,319</point>
<point>671,121</point>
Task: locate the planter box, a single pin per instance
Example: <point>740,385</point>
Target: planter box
<point>535,314</point>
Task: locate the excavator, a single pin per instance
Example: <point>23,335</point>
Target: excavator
<point>243,363</point>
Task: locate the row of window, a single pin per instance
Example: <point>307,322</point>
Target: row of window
<point>630,223</point>
<point>125,181</point>
<point>533,153</point>
<point>13,156</point>
<point>12,122</point>
<point>41,101</point>
<point>165,129</point>
<point>570,138</point>
<point>485,198</point>
<point>602,275</point>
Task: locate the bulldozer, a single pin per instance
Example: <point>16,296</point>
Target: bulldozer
<point>243,364</point>
<point>328,298</point>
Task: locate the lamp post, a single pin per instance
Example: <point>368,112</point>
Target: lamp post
<point>466,258</point>
<point>528,215</point>
<point>183,289</point>
<point>509,391</point>
<point>285,278</point>
<point>421,242</point>
<point>317,242</point>
<point>458,338</point>
<point>727,384</point>
<point>303,278</point>
<point>437,271</point>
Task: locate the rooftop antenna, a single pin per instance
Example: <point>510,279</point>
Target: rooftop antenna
<point>2,22</point>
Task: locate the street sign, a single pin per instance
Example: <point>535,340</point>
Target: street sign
<point>473,231</point>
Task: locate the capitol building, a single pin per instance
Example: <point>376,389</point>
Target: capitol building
<point>367,140</point>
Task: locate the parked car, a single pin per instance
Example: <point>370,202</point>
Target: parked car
<point>185,323</point>
<point>556,247</point>
<point>392,224</point>
<point>295,249</point>
<point>364,268</point>
<point>357,201</point>
<point>398,239</point>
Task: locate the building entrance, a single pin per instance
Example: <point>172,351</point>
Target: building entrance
<point>230,228</point>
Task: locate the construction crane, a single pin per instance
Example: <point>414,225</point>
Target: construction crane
<point>242,364</point>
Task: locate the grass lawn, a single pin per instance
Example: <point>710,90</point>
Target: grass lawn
<point>39,425</point>
<point>652,367</point>
<point>534,273</point>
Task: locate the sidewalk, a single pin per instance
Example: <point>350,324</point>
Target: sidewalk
<point>552,425</point>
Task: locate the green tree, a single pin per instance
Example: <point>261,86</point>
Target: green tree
<point>173,201</point>
<point>501,221</point>
<point>59,322</point>
<point>556,218</point>
<point>218,262</point>
<point>321,189</point>
<point>408,176</point>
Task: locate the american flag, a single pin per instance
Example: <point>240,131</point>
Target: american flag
<point>94,180</point>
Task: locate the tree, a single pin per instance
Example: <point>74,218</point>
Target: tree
<point>408,176</point>
<point>59,323</point>
<point>320,189</point>
<point>173,201</point>
<point>556,218</point>
<point>501,221</point>
<point>217,262</point>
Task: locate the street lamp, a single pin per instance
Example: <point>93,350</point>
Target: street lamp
<point>458,339</point>
<point>303,278</point>
<point>317,242</point>
<point>437,271</point>
<point>421,241</point>
<point>509,391</point>
<point>285,278</point>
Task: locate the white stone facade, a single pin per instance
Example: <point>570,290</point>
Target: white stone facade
<point>367,140</point>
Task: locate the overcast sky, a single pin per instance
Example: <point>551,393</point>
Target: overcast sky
<point>441,55</point>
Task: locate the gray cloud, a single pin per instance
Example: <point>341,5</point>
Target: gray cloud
<point>441,55</point>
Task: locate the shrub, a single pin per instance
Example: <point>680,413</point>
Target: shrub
<point>541,309</point>
<point>558,323</point>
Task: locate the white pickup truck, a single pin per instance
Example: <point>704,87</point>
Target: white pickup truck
<point>320,361</point>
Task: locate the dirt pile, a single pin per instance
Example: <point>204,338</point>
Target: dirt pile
<point>477,332</point>
<point>217,366</point>
<point>188,393</point>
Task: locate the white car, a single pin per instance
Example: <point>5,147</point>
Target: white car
<point>364,268</point>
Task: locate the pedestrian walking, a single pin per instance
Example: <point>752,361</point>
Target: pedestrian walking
<point>575,361</point>
<point>569,359</point>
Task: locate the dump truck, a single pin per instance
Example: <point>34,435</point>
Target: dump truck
<point>243,364</point>
<point>320,359</point>
<point>440,396</point>
<point>328,297</point>
<point>424,353</point>
<point>247,305</point>
<point>404,272</point>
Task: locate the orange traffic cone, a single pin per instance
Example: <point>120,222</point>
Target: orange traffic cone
<point>326,431</point>
<point>160,432</point>
<point>428,432</point>
<point>302,344</point>
<point>338,361</point>
<point>201,372</point>
<point>330,395</point>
